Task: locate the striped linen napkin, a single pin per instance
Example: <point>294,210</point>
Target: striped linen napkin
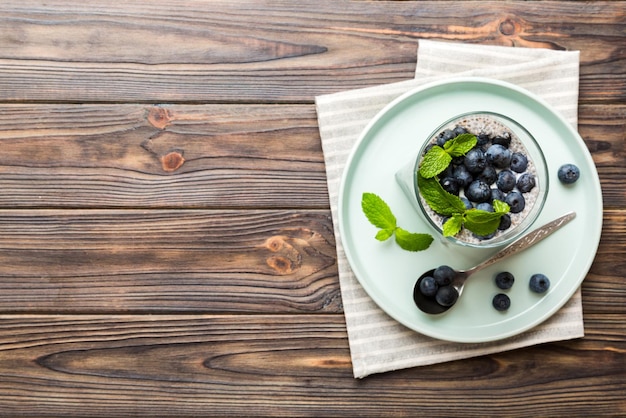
<point>377,342</point>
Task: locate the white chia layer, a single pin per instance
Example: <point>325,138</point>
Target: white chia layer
<point>484,124</point>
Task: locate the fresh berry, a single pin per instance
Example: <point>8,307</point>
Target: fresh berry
<point>539,283</point>
<point>428,286</point>
<point>444,137</point>
<point>516,202</point>
<point>467,203</point>
<point>519,162</point>
<point>526,182</point>
<point>497,194</point>
<point>450,185</point>
<point>504,280</point>
<point>499,156</point>
<point>505,222</point>
<point>482,139</point>
<point>478,191</point>
<point>475,161</point>
<point>462,176</point>
<point>486,206</point>
<point>488,175</point>
<point>568,173</point>
<point>503,139</point>
<point>501,302</point>
<point>443,275</point>
<point>506,180</point>
<point>459,130</point>
<point>446,295</point>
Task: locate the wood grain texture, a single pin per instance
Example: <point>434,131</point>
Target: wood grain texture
<point>198,51</point>
<point>284,366</point>
<point>233,156</point>
<point>167,261</point>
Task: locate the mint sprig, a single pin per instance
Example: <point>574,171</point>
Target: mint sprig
<point>478,221</point>
<point>380,215</point>
<point>437,158</point>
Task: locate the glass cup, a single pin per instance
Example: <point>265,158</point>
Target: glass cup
<point>491,124</point>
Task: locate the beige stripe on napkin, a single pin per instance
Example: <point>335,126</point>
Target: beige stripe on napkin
<point>377,342</point>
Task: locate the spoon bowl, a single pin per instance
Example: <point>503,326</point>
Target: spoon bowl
<point>431,305</point>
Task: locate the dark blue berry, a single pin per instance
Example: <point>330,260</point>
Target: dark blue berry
<point>459,130</point>
<point>516,202</point>
<point>443,275</point>
<point>506,180</point>
<point>519,162</point>
<point>503,139</point>
<point>482,139</point>
<point>475,161</point>
<point>446,295</point>
<point>568,173</point>
<point>505,222</point>
<point>501,302</point>
<point>450,185</point>
<point>428,286</point>
<point>444,137</point>
<point>525,182</point>
<point>487,207</point>
<point>539,283</point>
<point>488,175</point>
<point>478,191</point>
<point>462,176</point>
<point>467,203</point>
<point>504,280</point>
<point>497,194</point>
<point>498,155</point>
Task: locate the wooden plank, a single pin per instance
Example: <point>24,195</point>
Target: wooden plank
<point>259,156</point>
<point>285,365</point>
<point>205,261</point>
<point>209,51</point>
<point>171,156</point>
<point>167,261</point>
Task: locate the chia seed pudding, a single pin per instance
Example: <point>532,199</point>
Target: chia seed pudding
<point>491,129</point>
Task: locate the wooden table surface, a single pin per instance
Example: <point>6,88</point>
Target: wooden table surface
<point>167,245</point>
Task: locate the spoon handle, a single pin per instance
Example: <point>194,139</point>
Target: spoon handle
<point>526,241</point>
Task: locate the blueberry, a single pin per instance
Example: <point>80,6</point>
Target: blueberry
<point>444,137</point>
<point>519,162</point>
<point>459,130</point>
<point>501,302</point>
<point>475,161</point>
<point>450,185</point>
<point>506,180</point>
<point>505,222</point>
<point>478,191</point>
<point>446,295</point>
<point>487,207</point>
<point>539,283</point>
<point>504,139</point>
<point>504,280</point>
<point>568,173</point>
<point>498,155</point>
<point>428,286</point>
<point>462,176</point>
<point>497,194</point>
<point>443,275</point>
<point>516,202</point>
<point>467,203</point>
<point>488,175</point>
<point>482,139</point>
<point>525,182</point>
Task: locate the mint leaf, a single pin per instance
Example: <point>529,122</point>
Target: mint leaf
<point>434,162</point>
<point>438,199</point>
<point>411,241</point>
<point>384,234</point>
<point>501,207</point>
<point>378,212</point>
<point>452,226</point>
<point>380,215</point>
<point>460,145</point>
<point>482,222</point>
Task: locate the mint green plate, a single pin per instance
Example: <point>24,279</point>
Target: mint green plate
<point>388,273</point>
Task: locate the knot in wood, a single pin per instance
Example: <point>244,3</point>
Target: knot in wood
<point>507,27</point>
<point>159,117</point>
<point>172,161</point>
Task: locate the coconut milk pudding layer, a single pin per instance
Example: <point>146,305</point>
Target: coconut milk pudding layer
<point>509,173</point>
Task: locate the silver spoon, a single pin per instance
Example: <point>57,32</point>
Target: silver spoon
<point>430,306</point>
